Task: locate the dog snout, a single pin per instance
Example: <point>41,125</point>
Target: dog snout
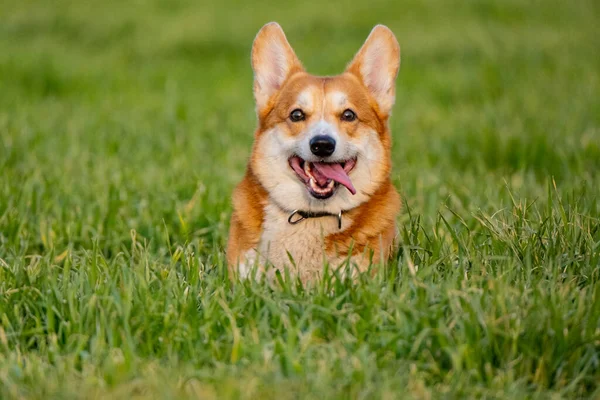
<point>322,145</point>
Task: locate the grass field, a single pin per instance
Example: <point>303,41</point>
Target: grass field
<point>124,127</point>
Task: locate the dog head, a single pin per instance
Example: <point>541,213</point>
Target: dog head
<point>322,143</point>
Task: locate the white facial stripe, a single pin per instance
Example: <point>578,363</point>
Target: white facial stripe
<point>323,127</point>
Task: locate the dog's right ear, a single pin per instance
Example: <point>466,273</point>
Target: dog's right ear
<point>273,61</point>
<point>376,64</point>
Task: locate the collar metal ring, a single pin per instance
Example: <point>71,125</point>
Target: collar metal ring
<point>295,221</point>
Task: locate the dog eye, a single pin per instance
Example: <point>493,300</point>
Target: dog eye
<point>348,115</point>
<point>297,115</point>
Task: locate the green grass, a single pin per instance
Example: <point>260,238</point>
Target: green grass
<point>125,126</point>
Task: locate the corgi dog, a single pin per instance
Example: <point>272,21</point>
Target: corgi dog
<point>317,188</point>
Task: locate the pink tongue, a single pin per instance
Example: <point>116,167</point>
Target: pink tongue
<point>335,172</point>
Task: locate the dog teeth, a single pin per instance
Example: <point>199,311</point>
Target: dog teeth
<point>319,189</point>
<point>312,182</point>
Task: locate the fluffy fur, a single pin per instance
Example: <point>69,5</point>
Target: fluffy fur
<point>270,191</point>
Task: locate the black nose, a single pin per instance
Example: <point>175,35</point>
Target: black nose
<point>322,146</point>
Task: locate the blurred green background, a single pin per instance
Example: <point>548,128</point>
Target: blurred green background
<point>152,100</point>
<point>128,122</point>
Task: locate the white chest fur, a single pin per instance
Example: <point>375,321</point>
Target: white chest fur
<point>303,241</point>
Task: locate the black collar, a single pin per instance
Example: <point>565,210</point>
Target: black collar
<point>302,215</point>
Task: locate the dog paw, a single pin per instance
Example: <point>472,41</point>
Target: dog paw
<point>248,263</point>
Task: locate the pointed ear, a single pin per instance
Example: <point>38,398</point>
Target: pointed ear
<point>273,61</point>
<point>376,64</point>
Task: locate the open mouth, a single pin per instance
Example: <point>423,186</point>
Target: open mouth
<point>322,179</point>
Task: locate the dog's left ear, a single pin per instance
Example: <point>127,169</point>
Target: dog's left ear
<point>273,61</point>
<point>376,64</point>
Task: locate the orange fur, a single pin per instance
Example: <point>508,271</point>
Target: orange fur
<point>249,199</point>
<point>281,85</point>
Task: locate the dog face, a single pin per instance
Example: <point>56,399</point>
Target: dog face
<point>322,142</point>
